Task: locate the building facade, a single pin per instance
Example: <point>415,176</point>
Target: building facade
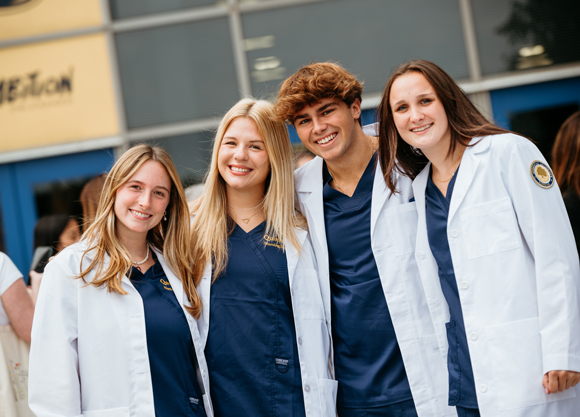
<point>81,81</point>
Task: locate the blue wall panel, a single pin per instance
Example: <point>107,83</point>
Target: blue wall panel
<point>531,97</point>
<point>17,200</point>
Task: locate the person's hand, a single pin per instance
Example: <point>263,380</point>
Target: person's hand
<point>555,381</point>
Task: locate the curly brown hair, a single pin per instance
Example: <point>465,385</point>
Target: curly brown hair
<point>311,84</point>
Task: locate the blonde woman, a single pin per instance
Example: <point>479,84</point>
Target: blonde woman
<point>263,323</point>
<point>114,331</point>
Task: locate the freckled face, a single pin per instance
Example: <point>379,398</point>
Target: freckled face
<point>418,114</point>
<point>243,161</point>
<point>141,201</point>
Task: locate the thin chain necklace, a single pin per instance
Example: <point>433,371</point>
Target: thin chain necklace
<point>332,175</point>
<point>448,179</point>
<point>454,171</point>
<point>247,219</point>
<point>335,182</point>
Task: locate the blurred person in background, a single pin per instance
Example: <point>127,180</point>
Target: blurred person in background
<point>267,344</point>
<point>52,234</point>
<point>302,157</point>
<point>90,199</point>
<point>16,307</point>
<point>566,166</point>
<point>16,310</point>
<point>114,332</point>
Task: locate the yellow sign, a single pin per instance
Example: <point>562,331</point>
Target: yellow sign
<point>22,18</point>
<point>56,92</point>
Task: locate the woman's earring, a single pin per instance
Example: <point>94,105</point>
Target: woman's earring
<point>165,216</point>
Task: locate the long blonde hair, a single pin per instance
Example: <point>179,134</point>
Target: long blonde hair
<point>211,227</point>
<point>170,237</point>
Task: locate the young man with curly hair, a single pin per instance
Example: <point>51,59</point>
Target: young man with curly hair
<point>386,356</point>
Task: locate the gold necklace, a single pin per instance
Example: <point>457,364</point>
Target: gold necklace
<point>335,183</point>
<point>332,175</point>
<point>247,219</point>
<point>449,179</point>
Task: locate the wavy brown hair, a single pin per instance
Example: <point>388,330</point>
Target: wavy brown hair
<point>170,237</point>
<point>312,83</point>
<point>465,122</point>
<point>566,155</point>
<point>211,225</point>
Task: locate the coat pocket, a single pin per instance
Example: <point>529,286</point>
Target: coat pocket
<point>109,412</point>
<point>328,390</point>
<point>515,352</point>
<point>490,228</point>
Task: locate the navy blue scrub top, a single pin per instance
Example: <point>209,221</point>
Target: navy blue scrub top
<point>172,359</point>
<point>251,349</point>
<point>368,362</point>
<point>461,383</point>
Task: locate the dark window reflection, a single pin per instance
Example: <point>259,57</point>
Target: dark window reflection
<point>542,124</point>
<point>522,34</point>
<point>190,154</point>
<point>60,197</point>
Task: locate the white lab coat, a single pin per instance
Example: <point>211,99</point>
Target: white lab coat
<point>89,347</point>
<point>393,230</point>
<point>312,332</point>
<point>518,277</point>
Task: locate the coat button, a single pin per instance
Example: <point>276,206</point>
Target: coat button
<point>421,255</point>
<point>473,336</point>
<point>300,341</point>
<point>307,388</point>
<point>464,285</point>
<point>454,233</point>
<point>483,388</point>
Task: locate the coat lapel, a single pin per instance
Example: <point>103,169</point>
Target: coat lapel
<point>204,290</point>
<point>310,193</point>
<point>292,255</point>
<point>467,170</point>
<point>380,196</point>
<point>309,188</point>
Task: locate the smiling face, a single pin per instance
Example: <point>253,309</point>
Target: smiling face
<point>243,161</point>
<point>328,128</point>
<point>141,201</point>
<point>419,115</point>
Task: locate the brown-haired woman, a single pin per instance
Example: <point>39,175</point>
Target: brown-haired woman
<point>566,164</point>
<point>114,331</point>
<point>494,248</point>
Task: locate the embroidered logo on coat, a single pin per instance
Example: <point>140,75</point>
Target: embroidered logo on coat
<point>166,284</point>
<point>272,241</point>
<point>542,174</point>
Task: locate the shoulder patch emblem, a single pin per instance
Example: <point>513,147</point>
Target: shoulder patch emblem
<point>542,174</point>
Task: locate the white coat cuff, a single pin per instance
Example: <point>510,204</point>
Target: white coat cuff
<point>561,363</point>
